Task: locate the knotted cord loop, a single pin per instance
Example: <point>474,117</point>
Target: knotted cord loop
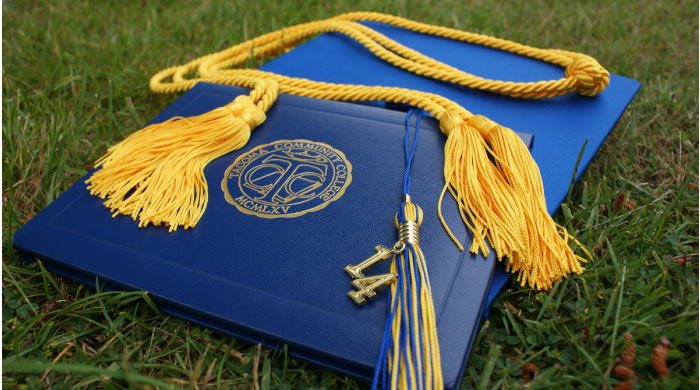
<point>585,75</point>
<point>591,78</point>
<point>529,90</point>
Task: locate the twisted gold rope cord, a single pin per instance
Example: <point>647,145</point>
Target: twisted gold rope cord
<point>156,174</point>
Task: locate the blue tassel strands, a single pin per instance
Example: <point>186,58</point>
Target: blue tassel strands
<point>409,355</point>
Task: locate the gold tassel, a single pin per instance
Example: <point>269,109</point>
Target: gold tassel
<point>491,174</point>
<point>547,239</point>
<point>156,174</point>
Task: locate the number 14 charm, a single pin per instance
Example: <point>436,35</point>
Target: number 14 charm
<point>367,284</point>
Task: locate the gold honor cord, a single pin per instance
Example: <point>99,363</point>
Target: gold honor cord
<point>156,174</point>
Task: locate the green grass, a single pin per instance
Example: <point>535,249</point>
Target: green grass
<point>75,76</point>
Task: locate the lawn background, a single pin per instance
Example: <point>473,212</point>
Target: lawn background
<point>75,80</point>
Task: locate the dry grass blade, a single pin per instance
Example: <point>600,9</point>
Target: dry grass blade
<point>204,383</point>
<point>256,362</point>
<point>57,358</point>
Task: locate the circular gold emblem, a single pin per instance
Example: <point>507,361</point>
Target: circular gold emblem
<point>287,178</point>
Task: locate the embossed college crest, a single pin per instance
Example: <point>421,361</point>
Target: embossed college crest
<point>287,178</point>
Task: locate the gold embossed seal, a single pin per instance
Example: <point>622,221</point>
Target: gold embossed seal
<point>287,178</point>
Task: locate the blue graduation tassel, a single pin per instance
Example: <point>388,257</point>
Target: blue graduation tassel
<point>409,355</point>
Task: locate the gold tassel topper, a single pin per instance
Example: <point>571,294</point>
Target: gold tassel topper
<point>156,174</point>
